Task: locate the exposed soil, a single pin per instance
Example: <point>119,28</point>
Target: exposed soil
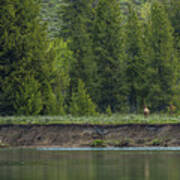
<point>90,135</point>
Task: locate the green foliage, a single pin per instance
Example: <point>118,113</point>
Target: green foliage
<point>124,60</point>
<point>108,49</point>
<point>76,22</point>
<point>173,9</point>
<point>98,143</point>
<point>156,142</point>
<point>24,57</point>
<point>49,100</point>
<point>145,11</point>
<point>28,100</point>
<point>163,64</point>
<point>108,110</point>
<point>61,68</point>
<point>81,103</point>
<point>49,14</point>
<point>135,64</point>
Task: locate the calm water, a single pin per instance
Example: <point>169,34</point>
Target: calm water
<point>89,165</point>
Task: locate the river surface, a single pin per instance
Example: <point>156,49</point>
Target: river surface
<point>54,164</point>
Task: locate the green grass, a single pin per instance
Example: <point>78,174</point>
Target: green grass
<point>114,119</point>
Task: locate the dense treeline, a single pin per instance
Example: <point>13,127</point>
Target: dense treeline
<point>96,57</point>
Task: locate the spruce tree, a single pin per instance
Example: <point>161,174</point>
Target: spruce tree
<point>81,103</point>
<point>28,99</point>
<point>108,51</point>
<point>61,78</point>
<point>163,64</point>
<point>23,57</point>
<point>135,64</point>
<point>76,19</point>
<point>173,9</point>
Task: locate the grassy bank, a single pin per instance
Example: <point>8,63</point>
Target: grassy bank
<point>114,119</point>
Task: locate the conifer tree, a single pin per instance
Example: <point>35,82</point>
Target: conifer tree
<point>135,63</point>
<point>108,50</point>
<point>62,64</point>
<point>81,104</point>
<point>76,19</point>
<point>28,99</point>
<point>163,64</point>
<point>23,57</point>
<point>173,9</point>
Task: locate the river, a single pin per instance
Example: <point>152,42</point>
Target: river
<point>88,164</point>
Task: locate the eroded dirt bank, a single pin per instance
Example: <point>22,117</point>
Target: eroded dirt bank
<point>90,135</point>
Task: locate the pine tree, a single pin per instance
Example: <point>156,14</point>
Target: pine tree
<point>23,57</point>
<point>81,104</point>
<point>163,64</point>
<point>76,22</point>
<point>135,73</point>
<point>108,50</point>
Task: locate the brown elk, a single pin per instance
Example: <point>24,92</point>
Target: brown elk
<point>146,111</point>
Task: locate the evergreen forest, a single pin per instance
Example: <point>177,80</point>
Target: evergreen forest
<point>85,57</point>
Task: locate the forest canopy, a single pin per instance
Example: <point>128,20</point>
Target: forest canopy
<point>85,57</point>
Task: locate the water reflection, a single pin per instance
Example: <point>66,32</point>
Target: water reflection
<point>146,170</point>
<point>87,165</point>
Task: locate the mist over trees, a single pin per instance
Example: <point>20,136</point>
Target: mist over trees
<point>85,57</point>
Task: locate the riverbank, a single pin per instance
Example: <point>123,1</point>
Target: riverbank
<point>101,119</point>
<point>84,135</point>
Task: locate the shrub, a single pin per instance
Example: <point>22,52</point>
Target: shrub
<point>98,143</point>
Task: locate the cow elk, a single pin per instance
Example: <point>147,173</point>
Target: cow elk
<point>146,111</point>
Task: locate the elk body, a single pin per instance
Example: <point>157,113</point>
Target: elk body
<point>146,111</point>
